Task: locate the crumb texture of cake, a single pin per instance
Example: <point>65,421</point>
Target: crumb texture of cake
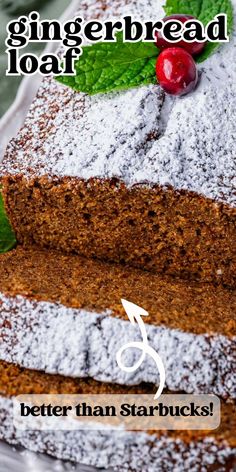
<point>61,314</point>
<point>161,451</point>
<point>135,177</point>
<point>77,282</point>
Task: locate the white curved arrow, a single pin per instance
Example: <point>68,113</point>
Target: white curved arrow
<point>135,313</point>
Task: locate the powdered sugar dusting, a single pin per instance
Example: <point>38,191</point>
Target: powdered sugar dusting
<point>122,139</point>
<point>143,10</point>
<point>79,343</point>
<point>123,451</point>
<point>122,135</point>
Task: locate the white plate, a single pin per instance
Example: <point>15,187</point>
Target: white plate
<point>13,460</point>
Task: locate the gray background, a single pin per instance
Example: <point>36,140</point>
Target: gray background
<point>48,9</point>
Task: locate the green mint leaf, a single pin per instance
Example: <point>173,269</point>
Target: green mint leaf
<point>105,67</point>
<point>205,11</point>
<point>7,236</point>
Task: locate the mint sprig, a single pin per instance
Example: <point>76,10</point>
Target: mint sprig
<point>205,11</point>
<point>7,236</point>
<point>113,66</point>
<point>106,67</point>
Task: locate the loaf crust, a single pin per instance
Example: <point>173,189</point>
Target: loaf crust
<point>134,177</point>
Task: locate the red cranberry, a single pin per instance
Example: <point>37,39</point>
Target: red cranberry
<point>193,48</point>
<point>176,71</point>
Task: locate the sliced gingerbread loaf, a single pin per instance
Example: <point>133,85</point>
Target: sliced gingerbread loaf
<point>135,177</point>
<point>63,314</point>
<point>179,451</point>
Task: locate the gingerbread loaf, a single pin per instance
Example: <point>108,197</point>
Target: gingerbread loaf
<point>179,451</point>
<point>135,177</point>
<point>63,314</point>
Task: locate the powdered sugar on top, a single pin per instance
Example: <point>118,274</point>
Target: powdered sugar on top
<point>139,136</point>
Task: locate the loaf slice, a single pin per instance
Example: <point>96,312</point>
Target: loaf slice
<point>123,451</point>
<point>134,177</point>
<point>63,314</point>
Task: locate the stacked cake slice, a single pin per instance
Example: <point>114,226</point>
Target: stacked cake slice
<point>62,315</point>
<point>123,196</point>
<point>123,451</point>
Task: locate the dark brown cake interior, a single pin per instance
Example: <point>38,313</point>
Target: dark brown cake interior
<point>82,283</point>
<point>177,233</point>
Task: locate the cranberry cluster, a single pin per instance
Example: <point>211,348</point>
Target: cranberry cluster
<point>175,68</point>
